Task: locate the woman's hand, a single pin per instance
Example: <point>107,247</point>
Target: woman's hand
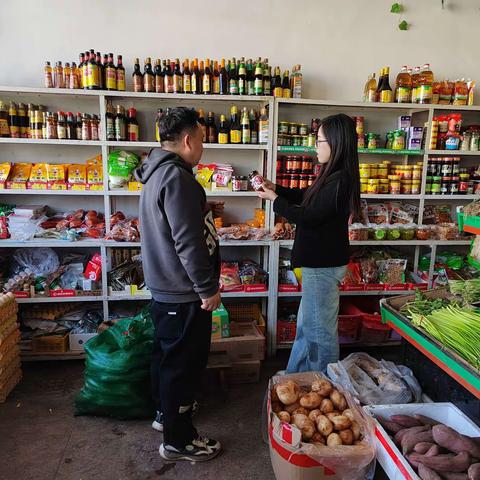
<point>267,193</point>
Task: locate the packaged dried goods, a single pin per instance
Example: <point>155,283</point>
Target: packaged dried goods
<point>377,213</point>
<point>407,231</point>
<point>229,276</point>
<point>369,270</point>
<point>393,232</point>
<point>447,231</point>
<point>392,271</point>
<point>423,232</point>
<point>120,167</point>
<point>358,232</point>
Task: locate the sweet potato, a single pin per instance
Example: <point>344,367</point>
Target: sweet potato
<point>426,473</point>
<point>390,427</point>
<point>412,462</point>
<point>406,421</point>
<point>411,439</point>
<point>448,438</point>
<point>423,447</point>
<point>425,420</point>
<point>433,451</point>
<point>458,463</point>
<point>399,435</point>
<point>454,476</point>
<point>474,472</point>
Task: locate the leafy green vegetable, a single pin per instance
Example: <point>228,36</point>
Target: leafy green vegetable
<point>469,290</point>
<point>396,8</point>
<point>403,25</point>
<point>422,305</point>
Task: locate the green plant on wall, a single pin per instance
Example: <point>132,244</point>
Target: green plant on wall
<point>397,8</point>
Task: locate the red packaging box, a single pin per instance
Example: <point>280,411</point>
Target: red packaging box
<point>62,293</point>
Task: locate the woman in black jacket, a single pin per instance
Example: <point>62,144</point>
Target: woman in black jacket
<point>321,215</point>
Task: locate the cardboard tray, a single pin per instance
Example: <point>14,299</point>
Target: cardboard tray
<point>390,458</point>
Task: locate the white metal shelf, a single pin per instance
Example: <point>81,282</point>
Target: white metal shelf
<point>389,196</point>
<point>207,146</point>
<point>88,193</point>
<point>344,293</point>
<point>444,198</point>
<point>223,243</point>
<point>42,141</point>
<point>456,153</point>
<point>50,243</point>
<point>84,298</point>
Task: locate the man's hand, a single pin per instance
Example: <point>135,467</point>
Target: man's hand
<point>212,303</point>
<point>270,185</point>
<point>267,193</point>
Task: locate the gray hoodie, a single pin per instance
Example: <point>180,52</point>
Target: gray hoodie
<point>180,249</point>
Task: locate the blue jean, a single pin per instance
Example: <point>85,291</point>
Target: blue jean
<point>316,342</point>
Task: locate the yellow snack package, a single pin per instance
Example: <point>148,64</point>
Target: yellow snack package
<point>77,177</point>
<point>56,177</point>
<point>38,177</point>
<point>95,177</point>
<point>204,175</point>
<point>5,169</point>
<point>95,160</point>
<point>19,176</point>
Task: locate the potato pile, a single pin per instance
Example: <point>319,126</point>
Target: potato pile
<point>321,413</point>
<point>435,451</point>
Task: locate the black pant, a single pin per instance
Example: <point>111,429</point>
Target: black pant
<point>180,354</point>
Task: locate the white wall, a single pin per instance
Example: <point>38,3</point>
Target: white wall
<point>337,42</point>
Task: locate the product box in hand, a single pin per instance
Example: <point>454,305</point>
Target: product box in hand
<point>389,456</point>
<point>220,323</point>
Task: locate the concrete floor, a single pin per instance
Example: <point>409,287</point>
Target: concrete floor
<point>40,439</point>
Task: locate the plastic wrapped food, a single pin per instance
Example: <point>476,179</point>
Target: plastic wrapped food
<point>353,275</point>
<point>369,270</point>
<point>393,232</point>
<point>407,232</point>
<point>443,214</point>
<point>423,232</point>
<point>358,232</point>
<point>378,232</point>
<point>229,276</point>
<point>392,271</point>
<point>120,167</point>
<point>377,213</point>
<point>402,213</point>
<point>446,231</point>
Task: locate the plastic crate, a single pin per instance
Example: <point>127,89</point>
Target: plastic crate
<point>348,328</point>
<point>247,312</point>
<point>50,344</point>
<point>374,331</point>
<point>286,331</point>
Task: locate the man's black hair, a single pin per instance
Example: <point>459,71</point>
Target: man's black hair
<point>179,120</point>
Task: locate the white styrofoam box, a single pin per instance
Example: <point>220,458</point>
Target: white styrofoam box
<point>78,340</point>
<point>390,458</point>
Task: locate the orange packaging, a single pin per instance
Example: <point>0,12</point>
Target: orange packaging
<point>4,173</point>
<point>19,176</point>
<point>38,177</point>
<point>135,186</point>
<point>56,177</point>
<point>95,176</point>
<point>77,177</point>
<point>95,160</point>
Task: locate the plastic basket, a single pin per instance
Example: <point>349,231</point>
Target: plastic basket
<point>50,344</point>
<point>286,331</point>
<point>373,331</point>
<point>243,312</point>
<point>348,328</point>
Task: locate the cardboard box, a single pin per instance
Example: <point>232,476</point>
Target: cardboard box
<point>414,144</point>
<point>390,458</point>
<point>220,323</point>
<point>404,122</point>
<point>244,372</point>
<point>78,340</point>
<point>245,343</point>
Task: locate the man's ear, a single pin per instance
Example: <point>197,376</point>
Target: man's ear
<point>187,141</point>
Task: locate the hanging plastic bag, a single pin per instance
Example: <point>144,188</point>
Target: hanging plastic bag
<point>117,371</point>
<point>41,261</point>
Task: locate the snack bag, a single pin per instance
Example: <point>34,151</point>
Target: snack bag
<point>204,175</point>
<point>56,177</point>
<point>19,176</point>
<point>377,213</point>
<point>77,177</point>
<point>120,167</point>
<point>222,175</point>
<point>230,277</point>
<point>4,172</point>
<point>95,177</point>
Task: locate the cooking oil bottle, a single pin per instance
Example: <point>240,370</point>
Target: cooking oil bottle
<point>403,86</point>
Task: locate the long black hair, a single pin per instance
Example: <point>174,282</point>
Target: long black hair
<point>340,133</point>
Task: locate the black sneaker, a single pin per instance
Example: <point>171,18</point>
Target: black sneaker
<point>200,450</point>
<point>158,422</point>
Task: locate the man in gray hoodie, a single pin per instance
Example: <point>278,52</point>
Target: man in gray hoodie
<point>181,263</point>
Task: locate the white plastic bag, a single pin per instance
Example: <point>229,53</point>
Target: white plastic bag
<point>41,261</point>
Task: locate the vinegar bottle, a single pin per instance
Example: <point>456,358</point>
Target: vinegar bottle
<point>370,90</point>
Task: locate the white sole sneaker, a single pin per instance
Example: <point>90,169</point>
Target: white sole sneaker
<point>170,456</point>
<point>157,426</point>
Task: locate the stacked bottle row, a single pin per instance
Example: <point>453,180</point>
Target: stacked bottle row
<point>34,121</point>
<point>245,127</point>
<point>418,87</point>
<point>232,77</point>
<point>90,74</point>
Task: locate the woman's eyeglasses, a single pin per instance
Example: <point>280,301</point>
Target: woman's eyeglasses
<point>317,141</point>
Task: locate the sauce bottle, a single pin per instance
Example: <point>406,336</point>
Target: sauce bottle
<point>415,84</point>
<point>403,86</point>
<point>201,121</point>
<point>81,62</point>
<point>13,121</point>
<point>85,70</point>
<point>86,127</point>
<point>381,77</point>
<point>267,80</point>
<point>252,117</point>
<point>61,126</point>
<point>67,72</point>
<point>207,78</point>
<point>120,74</point>
<point>74,77</point>
<point>93,72</point>
<point>223,79</point>
<point>258,79</point>
<point>386,93</point>
<point>196,81</point>
<point>78,125</point>
<point>425,81</point>
<point>71,131</point>
<point>297,82</point>
<point>223,131</point>
<point>370,90</point>
<point>187,77</point>
<point>233,80</point>
<point>121,124</point>
<point>245,125</point>
<point>132,125</point>
<point>48,79</point>
<point>158,76</point>
<point>168,77</point>
<point>211,128</point>
<point>4,129</point>
<point>157,124</point>
<point>177,78</point>
<point>235,128</point>
<point>104,71</point>
<point>58,80</point>
<point>100,71</point>
<point>110,74</point>
<point>148,84</point>
<point>250,78</point>
<point>242,78</point>
<point>137,78</point>
<point>216,79</point>
<point>94,131</point>
<point>277,84</point>
<point>263,127</point>
<point>110,122</point>
<point>287,92</point>
<point>23,120</point>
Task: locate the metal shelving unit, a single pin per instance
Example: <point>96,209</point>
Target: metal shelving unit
<point>241,156</point>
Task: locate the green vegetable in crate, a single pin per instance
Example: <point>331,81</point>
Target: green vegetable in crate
<point>469,290</point>
<point>456,328</point>
<point>422,305</point>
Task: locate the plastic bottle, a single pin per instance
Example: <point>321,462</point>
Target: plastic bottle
<point>425,92</point>
<point>403,86</point>
<point>415,84</point>
<point>297,82</point>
